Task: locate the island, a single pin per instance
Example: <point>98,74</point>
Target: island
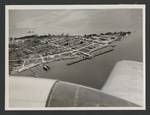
<point>28,51</point>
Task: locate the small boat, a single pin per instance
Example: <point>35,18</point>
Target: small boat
<point>46,67</point>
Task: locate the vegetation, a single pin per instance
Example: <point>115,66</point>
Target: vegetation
<point>23,48</point>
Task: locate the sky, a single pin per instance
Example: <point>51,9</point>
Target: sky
<point>77,21</point>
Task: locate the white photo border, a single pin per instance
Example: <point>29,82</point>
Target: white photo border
<point>50,7</point>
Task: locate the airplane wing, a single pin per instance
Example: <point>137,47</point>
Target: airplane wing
<point>126,82</point>
<point>27,92</point>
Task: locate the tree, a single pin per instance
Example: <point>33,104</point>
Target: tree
<point>36,42</point>
<point>108,33</point>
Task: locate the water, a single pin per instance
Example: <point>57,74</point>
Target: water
<point>93,72</point>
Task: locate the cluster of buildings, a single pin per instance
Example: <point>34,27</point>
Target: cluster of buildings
<point>35,49</point>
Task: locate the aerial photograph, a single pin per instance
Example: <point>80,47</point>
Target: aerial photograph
<point>75,58</point>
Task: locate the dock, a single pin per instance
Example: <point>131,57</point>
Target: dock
<point>82,59</point>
